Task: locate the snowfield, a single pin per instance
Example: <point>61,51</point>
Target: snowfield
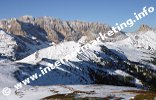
<point>39,92</point>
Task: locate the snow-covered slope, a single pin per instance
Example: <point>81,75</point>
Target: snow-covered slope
<point>137,47</point>
<point>7,69</point>
<point>84,68</point>
<point>145,40</point>
<point>94,92</point>
<point>53,52</point>
<point>7,44</point>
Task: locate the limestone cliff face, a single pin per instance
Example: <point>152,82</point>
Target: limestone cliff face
<point>56,30</point>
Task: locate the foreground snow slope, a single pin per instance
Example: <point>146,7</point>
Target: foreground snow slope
<point>7,69</point>
<point>37,93</point>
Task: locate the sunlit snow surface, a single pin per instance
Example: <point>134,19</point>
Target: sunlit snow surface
<point>36,93</point>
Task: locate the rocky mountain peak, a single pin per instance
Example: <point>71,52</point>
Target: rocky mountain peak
<point>144,28</point>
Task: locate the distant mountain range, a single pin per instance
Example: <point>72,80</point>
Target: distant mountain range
<point>125,59</point>
<point>41,32</point>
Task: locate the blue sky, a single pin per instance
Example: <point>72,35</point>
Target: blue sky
<point>103,11</point>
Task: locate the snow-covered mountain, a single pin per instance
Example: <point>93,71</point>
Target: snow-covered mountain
<point>122,60</point>
<point>144,38</point>
<point>94,65</point>
<point>111,55</point>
